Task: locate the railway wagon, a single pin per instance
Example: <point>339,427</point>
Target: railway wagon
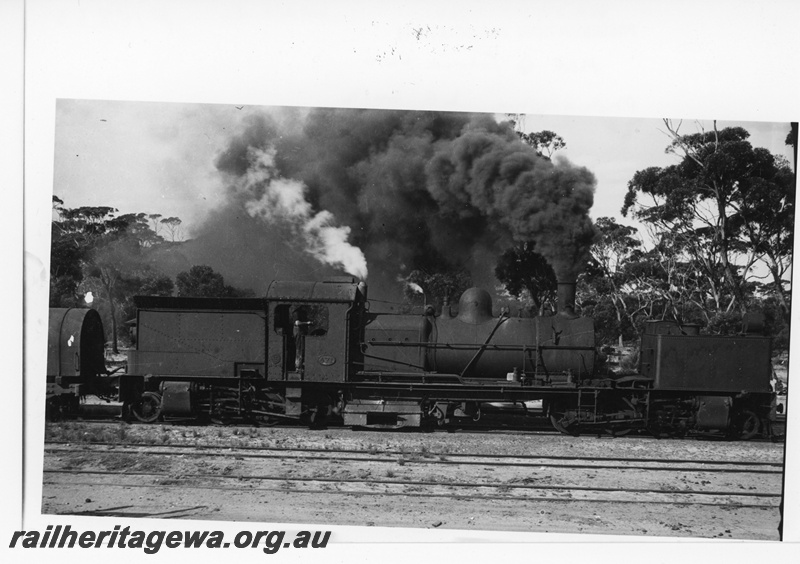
<point>75,359</point>
<point>313,351</point>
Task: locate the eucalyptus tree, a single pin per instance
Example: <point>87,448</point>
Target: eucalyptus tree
<point>726,206</point>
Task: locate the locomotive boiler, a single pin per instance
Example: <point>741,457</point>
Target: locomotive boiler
<point>475,344</point>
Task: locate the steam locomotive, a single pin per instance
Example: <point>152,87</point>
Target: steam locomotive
<point>314,352</point>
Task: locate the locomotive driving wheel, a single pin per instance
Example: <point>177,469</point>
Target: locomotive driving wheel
<point>148,408</point>
<point>746,425</point>
<point>222,410</point>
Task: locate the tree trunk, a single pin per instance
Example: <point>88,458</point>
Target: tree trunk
<point>730,277</point>
<point>114,344</point>
<point>780,293</point>
<point>108,281</point>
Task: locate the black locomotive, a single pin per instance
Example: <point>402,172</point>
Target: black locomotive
<point>314,352</point>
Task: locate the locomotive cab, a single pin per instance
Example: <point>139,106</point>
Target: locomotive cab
<point>314,329</point>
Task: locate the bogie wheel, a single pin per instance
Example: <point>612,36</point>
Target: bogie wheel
<point>747,425</point>
<point>148,408</point>
<point>557,418</point>
<point>318,416</point>
<point>52,410</point>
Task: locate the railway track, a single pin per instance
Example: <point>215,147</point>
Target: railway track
<point>392,473</point>
<point>534,426</point>
<point>432,458</point>
<point>450,490</point>
<point>505,480</point>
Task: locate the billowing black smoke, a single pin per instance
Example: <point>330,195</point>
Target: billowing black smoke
<point>410,190</point>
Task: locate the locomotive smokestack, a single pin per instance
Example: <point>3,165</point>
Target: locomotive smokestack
<point>566,298</point>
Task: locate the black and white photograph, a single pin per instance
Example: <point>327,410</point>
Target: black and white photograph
<point>309,306</point>
<point>423,309</point>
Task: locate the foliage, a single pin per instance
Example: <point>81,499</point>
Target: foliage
<point>526,273</point>
<point>156,284</point>
<point>544,142</point>
<point>173,227</point>
<point>65,271</point>
<point>150,284</point>
<point>607,325</point>
<point>74,235</point>
<point>724,323</point>
<point>200,281</point>
<point>791,137</point>
<point>439,287</point>
<point>94,250</point>
<point>722,209</point>
<point>608,277</point>
<point>203,281</point>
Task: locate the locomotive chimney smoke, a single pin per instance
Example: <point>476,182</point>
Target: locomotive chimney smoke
<point>566,299</point>
<point>282,199</point>
<point>430,191</point>
<point>491,172</point>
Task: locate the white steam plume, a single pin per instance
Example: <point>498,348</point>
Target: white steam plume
<point>285,199</point>
<point>415,287</point>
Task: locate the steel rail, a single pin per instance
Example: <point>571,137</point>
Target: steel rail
<point>230,451</point>
<point>100,512</point>
<point>417,458</point>
<point>426,483</point>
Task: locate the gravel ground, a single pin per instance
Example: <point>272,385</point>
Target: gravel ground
<point>563,511</point>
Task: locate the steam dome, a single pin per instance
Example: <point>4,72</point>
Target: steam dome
<point>475,306</point>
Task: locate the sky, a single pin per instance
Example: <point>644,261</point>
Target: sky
<point>159,157</point>
<point>142,157</point>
